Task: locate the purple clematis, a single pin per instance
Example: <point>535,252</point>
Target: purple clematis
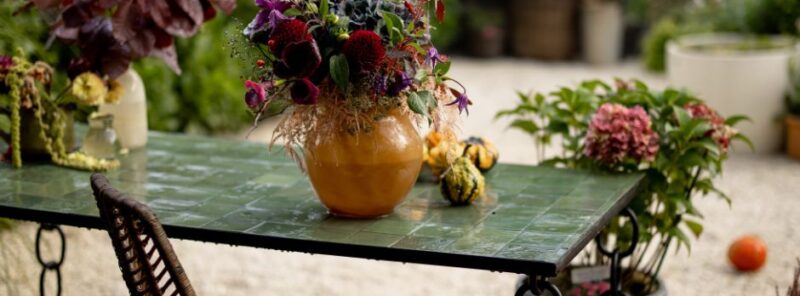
<point>256,93</point>
<point>304,92</point>
<point>462,101</point>
<point>433,56</point>
<point>400,83</point>
<point>271,13</point>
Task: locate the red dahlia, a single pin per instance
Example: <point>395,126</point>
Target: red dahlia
<point>286,33</point>
<point>364,50</point>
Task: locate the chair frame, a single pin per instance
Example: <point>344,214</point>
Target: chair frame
<point>148,263</point>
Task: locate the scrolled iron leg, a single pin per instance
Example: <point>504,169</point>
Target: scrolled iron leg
<point>536,286</point>
<point>616,255</point>
<point>54,266</point>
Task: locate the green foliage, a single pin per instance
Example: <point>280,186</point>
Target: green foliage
<point>207,97</point>
<point>684,167</point>
<point>446,33</point>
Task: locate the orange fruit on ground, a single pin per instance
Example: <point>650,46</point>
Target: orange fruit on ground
<point>748,253</point>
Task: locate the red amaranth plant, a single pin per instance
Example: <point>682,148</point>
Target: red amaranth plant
<point>364,51</point>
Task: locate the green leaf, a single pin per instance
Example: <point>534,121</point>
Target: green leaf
<point>683,116</point>
<point>292,12</point>
<point>746,140</point>
<point>394,25</point>
<point>324,9</point>
<point>427,98</point>
<point>695,227</point>
<point>734,120</point>
<point>441,69</point>
<point>416,104</point>
<point>691,160</point>
<point>525,125</point>
<point>421,76</point>
<point>340,71</point>
<point>5,123</point>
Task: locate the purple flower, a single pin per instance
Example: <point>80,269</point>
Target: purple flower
<point>304,92</point>
<point>6,62</point>
<point>400,83</point>
<point>256,94</point>
<point>617,132</point>
<point>300,59</point>
<point>462,101</point>
<point>433,56</point>
<point>382,84</point>
<point>271,12</point>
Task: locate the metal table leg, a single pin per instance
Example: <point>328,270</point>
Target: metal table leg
<point>54,266</point>
<point>616,255</point>
<point>536,286</point>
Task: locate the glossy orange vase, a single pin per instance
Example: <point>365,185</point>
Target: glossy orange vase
<point>365,174</point>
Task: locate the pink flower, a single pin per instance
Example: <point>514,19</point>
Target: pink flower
<point>256,94</point>
<point>617,132</point>
<point>720,132</point>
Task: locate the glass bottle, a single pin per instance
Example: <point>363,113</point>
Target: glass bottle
<point>101,140</point>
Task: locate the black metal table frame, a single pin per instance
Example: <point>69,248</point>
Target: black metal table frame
<point>533,283</point>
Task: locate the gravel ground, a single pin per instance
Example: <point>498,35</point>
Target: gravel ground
<point>765,192</point>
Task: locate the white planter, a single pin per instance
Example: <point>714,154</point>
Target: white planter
<point>752,82</point>
<point>602,32</point>
<point>130,113</point>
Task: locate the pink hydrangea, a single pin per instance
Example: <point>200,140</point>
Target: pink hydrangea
<point>617,132</point>
<point>720,132</point>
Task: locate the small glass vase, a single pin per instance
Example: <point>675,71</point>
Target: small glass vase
<point>101,140</point>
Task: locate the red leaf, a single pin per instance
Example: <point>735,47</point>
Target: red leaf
<point>169,56</point>
<point>180,18</point>
<point>440,10</point>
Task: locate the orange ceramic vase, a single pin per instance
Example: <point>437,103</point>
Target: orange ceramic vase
<point>366,174</point>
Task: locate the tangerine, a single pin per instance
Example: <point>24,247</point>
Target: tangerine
<point>748,253</point>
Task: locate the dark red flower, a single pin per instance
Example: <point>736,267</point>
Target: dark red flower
<point>304,92</point>
<point>364,51</point>
<point>299,60</point>
<point>286,33</point>
<point>6,62</point>
<point>256,94</point>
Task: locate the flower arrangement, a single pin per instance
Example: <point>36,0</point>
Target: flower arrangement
<point>343,65</point>
<point>678,142</point>
<point>26,86</point>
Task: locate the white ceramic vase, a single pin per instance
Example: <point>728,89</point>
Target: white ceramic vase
<point>751,81</point>
<point>602,32</point>
<point>130,113</point>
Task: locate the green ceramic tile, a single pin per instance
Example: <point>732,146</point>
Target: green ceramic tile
<point>528,213</point>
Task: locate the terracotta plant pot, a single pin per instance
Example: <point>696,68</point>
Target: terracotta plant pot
<point>365,174</point>
<point>793,136</point>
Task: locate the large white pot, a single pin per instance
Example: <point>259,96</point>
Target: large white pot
<point>130,113</point>
<point>752,82</point>
<point>602,31</point>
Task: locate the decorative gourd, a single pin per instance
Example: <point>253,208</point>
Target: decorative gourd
<point>462,183</point>
<point>440,156</point>
<point>481,152</point>
<point>434,138</point>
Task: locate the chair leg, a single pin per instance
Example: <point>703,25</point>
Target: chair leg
<point>54,266</point>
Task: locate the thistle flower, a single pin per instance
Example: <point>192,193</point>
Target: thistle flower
<point>462,101</point>
<point>89,89</point>
<point>286,33</point>
<point>720,132</point>
<point>256,94</point>
<point>617,132</point>
<point>271,13</point>
<point>304,92</point>
<point>364,51</point>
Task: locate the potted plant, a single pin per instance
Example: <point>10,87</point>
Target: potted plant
<point>486,31</point>
<point>602,31</point>
<point>359,76</point>
<point>677,141</point>
<point>112,34</point>
<point>792,119</point>
<point>737,74</point>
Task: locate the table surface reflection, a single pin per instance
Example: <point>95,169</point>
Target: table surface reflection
<point>532,220</point>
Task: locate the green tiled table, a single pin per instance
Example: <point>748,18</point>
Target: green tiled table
<point>533,220</point>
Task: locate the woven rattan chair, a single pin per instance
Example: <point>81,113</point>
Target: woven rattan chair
<point>146,259</point>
